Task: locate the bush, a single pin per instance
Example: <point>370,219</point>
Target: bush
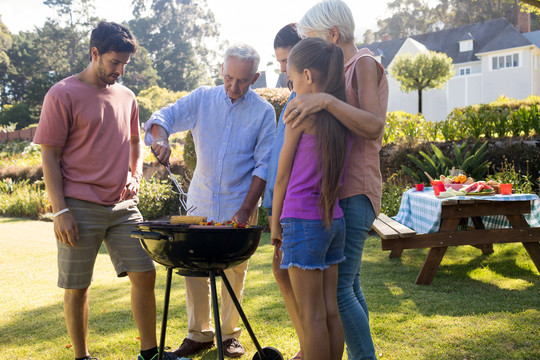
<point>20,153</point>
<point>392,191</point>
<point>402,127</point>
<point>524,159</point>
<point>155,98</point>
<point>190,158</point>
<point>19,113</point>
<point>277,97</point>
<point>156,199</point>
<point>23,199</point>
<point>471,162</point>
<point>521,183</point>
<point>500,118</point>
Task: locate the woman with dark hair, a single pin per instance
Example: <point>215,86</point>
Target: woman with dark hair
<point>285,39</point>
<point>306,215</point>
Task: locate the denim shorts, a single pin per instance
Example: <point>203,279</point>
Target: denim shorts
<point>308,244</point>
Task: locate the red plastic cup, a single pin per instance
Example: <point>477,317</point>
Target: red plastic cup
<point>419,187</point>
<point>438,186</point>
<point>506,189</point>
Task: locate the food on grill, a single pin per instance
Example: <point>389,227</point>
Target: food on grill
<point>228,223</point>
<point>187,219</point>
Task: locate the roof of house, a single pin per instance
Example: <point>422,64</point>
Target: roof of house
<point>534,37</point>
<point>261,81</point>
<point>490,35</point>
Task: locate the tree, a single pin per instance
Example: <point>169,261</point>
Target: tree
<point>409,17</point>
<point>533,3</point>
<point>5,45</point>
<point>412,17</point>
<point>426,70</point>
<point>78,13</point>
<point>139,73</point>
<point>41,58</point>
<point>177,35</point>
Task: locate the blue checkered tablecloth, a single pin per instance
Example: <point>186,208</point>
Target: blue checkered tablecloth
<point>421,210</point>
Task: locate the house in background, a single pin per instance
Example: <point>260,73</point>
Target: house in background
<point>490,59</point>
<point>261,81</point>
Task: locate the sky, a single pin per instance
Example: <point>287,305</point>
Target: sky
<point>247,21</point>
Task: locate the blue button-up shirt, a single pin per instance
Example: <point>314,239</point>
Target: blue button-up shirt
<point>272,167</point>
<point>233,142</point>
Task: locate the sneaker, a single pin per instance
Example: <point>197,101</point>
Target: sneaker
<point>171,356</point>
<point>232,348</point>
<point>166,356</point>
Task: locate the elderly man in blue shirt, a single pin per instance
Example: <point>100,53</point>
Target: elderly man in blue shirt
<point>233,129</point>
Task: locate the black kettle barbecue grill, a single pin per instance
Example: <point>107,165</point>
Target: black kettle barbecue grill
<point>203,251</point>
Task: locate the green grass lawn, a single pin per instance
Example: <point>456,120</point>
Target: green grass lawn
<point>477,307</point>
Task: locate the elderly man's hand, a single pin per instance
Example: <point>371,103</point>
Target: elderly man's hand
<point>242,216</point>
<point>162,151</point>
<point>160,147</point>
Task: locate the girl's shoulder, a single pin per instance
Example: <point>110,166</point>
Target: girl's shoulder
<point>308,126</point>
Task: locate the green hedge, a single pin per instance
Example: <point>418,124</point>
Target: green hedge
<point>501,118</point>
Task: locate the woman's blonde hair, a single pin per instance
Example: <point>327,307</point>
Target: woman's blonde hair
<point>322,17</point>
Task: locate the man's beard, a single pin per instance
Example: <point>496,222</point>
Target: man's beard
<point>108,79</point>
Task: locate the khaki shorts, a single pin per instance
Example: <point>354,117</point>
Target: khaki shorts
<point>97,223</point>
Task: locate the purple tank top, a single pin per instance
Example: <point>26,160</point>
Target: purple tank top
<point>303,190</point>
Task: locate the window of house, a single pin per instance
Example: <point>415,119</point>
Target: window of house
<point>465,45</point>
<point>505,61</point>
<point>465,71</point>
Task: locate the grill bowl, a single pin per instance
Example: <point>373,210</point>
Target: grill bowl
<point>196,249</point>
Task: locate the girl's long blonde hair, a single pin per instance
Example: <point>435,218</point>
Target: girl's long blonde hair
<point>326,59</point>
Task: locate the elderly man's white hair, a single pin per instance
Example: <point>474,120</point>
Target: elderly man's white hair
<point>243,52</point>
<point>322,17</point>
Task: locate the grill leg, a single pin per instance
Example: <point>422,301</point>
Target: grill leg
<point>217,321</point>
<point>262,355</point>
<point>165,314</point>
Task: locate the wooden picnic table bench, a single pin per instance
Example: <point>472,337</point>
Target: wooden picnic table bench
<point>455,230</point>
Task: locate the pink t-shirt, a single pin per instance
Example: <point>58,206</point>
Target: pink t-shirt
<point>363,174</point>
<point>94,127</point>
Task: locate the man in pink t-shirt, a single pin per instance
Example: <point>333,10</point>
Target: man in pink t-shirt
<point>92,166</point>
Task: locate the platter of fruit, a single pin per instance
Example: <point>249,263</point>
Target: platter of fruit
<point>478,188</point>
<point>459,184</point>
<point>456,182</point>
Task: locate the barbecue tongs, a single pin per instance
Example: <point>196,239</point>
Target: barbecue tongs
<point>185,201</point>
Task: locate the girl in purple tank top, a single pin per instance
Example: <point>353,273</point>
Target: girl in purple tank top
<point>306,215</point>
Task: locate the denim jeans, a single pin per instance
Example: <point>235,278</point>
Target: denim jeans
<point>308,245</point>
<point>359,217</point>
